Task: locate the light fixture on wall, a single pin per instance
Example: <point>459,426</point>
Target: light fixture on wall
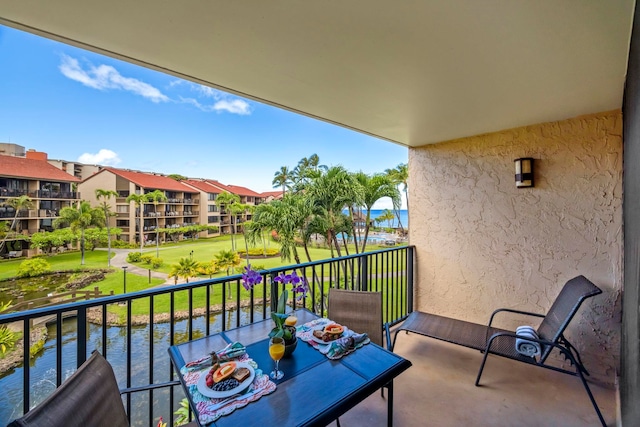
<point>524,172</point>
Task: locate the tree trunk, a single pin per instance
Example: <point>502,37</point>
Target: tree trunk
<point>82,247</point>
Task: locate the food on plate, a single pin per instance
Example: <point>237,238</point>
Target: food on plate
<point>334,329</point>
<point>329,333</point>
<point>241,374</point>
<point>225,385</point>
<point>216,375</point>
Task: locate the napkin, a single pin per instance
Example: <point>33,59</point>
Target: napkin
<point>349,342</point>
<point>210,409</point>
<point>231,351</point>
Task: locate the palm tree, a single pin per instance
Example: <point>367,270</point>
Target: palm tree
<point>156,196</point>
<point>17,203</point>
<point>331,193</point>
<point>230,202</point>
<point>375,188</point>
<point>400,175</point>
<point>105,195</point>
<point>282,178</point>
<point>185,268</point>
<point>139,200</point>
<point>80,218</point>
<point>226,260</point>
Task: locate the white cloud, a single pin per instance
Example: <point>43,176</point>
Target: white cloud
<point>223,101</point>
<point>103,157</point>
<point>104,77</point>
<point>235,106</point>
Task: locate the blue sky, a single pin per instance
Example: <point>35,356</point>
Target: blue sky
<point>77,105</point>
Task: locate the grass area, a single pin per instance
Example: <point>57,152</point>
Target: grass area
<point>202,250</point>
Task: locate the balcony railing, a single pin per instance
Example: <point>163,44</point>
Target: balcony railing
<point>46,194</point>
<point>136,345</point>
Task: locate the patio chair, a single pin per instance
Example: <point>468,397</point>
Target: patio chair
<point>89,397</point>
<point>360,311</point>
<point>501,342</point>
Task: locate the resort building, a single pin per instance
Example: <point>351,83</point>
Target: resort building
<point>181,207</point>
<point>49,189</point>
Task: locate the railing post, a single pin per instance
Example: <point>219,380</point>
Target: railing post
<point>274,293</point>
<point>364,278</point>
<point>410,279</point>
<point>81,320</point>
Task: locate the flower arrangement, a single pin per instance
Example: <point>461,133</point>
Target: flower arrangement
<point>299,287</point>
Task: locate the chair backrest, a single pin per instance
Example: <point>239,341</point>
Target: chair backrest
<point>89,397</point>
<point>358,310</point>
<point>564,308</point>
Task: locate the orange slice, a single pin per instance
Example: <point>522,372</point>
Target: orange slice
<point>334,329</point>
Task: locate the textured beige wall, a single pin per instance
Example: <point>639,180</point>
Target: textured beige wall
<point>482,243</point>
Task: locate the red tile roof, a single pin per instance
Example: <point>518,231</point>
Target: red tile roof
<point>203,185</point>
<point>20,167</point>
<point>242,191</point>
<point>150,180</point>
<point>274,194</point>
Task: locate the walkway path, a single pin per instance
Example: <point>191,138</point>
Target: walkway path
<point>119,260</point>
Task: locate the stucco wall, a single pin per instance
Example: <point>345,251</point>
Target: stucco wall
<point>482,243</point>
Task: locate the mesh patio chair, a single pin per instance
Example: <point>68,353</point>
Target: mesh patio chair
<point>88,398</point>
<point>500,342</point>
<point>358,310</point>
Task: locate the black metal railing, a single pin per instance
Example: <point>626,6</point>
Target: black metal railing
<point>134,330</point>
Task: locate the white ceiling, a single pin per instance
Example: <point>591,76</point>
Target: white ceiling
<point>409,71</point>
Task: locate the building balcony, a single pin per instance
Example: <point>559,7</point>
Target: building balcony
<point>437,390</point>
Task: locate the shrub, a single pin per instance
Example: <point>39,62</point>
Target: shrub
<point>134,257</point>
<point>259,252</point>
<point>8,338</point>
<point>146,259</point>
<point>33,267</point>
<point>121,244</point>
<point>156,262</point>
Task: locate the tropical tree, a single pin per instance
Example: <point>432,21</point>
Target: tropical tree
<point>400,175</point>
<point>330,193</point>
<point>17,203</point>
<point>230,202</point>
<point>307,169</point>
<point>105,195</point>
<point>375,187</point>
<point>386,215</point>
<point>139,200</point>
<point>227,260</point>
<point>79,219</point>
<point>46,241</point>
<point>155,197</point>
<point>185,268</point>
<point>282,178</point>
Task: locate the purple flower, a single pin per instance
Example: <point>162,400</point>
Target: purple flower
<point>299,285</point>
<point>250,278</point>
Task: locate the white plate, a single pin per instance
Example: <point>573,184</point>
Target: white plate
<point>206,391</point>
<point>319,341</point>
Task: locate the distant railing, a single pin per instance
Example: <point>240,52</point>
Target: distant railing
<point>188,311</point>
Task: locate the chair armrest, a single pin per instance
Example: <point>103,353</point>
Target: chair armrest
<point>510,310</point>
<point>387,332</point>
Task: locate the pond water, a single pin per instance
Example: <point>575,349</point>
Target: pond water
<point>32,287</point>
<point>43,374</point>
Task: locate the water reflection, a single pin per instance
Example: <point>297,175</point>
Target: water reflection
<point>146,365</point>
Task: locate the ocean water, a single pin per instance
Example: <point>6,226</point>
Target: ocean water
<point>404,218</point>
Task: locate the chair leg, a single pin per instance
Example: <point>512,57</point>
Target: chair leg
<point>484,360</point>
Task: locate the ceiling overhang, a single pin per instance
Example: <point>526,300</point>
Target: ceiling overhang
<point>412,72</point>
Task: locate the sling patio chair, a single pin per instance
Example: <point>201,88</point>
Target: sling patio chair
<point>89,397</point>
<point>501,342</point>
<point>360,311</point>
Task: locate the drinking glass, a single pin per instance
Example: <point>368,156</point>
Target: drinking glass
<point>276,351</point>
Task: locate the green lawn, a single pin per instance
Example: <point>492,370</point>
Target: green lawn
<point>202,250</point>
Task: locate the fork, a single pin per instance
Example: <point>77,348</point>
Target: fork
<point>222,403</point>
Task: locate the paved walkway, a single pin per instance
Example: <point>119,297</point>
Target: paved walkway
<point>119,260</point>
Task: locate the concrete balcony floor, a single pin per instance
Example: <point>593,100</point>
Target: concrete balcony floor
<point>438,390</point>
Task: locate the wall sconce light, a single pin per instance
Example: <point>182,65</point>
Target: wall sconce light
<point>524,172</point>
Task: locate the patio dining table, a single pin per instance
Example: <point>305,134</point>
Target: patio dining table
<point>315,390</point>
